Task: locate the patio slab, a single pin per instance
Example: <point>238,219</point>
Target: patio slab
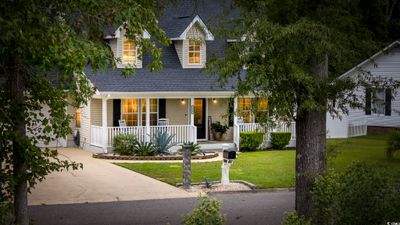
<point>99,181</point>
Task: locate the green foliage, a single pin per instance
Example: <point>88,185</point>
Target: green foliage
<point>123,144</point>
<point>206,213</point>
<point>163,142</point>
<point>393,144</point>
<point>280,139</point>
<point>144,148</point>
<point>250,141</point>
<point>194,148</point>
<point>282,51</point>
<point>6,213</point>
<point>208,183</point>
<point>292,218</point>
<point>362,194</point>
<point>219,127</point>
<point>46,47</point>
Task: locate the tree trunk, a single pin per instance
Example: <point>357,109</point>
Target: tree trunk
<point>19,161</point>
<point>310,148</point>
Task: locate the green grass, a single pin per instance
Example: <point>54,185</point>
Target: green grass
<point>269,169</point>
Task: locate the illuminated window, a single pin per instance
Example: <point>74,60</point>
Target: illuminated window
<point>194,52</point>
<point>252,109</point>
<point>134,112</point>
<point>130,111</point>
<point>78,118</point>
<point>244,107</point>
<point>129,52</point>
<point>153,112</point>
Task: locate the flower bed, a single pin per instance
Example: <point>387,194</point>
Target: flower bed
<point>167,157</point>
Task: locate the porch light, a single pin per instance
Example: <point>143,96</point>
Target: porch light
<point>183,101</point>
<point>214,100</point>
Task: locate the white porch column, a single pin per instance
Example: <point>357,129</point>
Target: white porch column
<point>194,138</point>
<point>104,123</point>
<point>192,111</point>
<point>147,119</point>
<point>236,132</point>
<point>235,107</point>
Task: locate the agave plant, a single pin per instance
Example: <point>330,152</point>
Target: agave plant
<point>163,142</point>
<point>194,148</point>
<point>142,148</point>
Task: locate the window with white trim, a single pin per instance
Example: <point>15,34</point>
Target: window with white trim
<point>194,52</point>
<point>129,52</point>
<point>153,112</point>
<point>134,111</point>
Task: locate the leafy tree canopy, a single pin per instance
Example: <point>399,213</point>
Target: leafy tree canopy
<point>46,45</point>
<point>280,44</point>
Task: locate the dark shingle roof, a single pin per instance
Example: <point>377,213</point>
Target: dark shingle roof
<point>172,78</point>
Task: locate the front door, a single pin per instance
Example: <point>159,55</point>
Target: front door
<point>200,117</point>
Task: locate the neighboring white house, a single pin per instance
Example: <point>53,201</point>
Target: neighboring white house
<point>381,111</point>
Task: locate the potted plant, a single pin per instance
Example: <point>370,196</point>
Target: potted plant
<point>219,130</point>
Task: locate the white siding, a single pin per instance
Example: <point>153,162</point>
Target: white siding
<point>176,112</point>
<point>95,112</point>
<point>385,65</point>
<point>110,112</point>
<point>85,126</point>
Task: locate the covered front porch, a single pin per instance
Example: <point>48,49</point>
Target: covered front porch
<point>187,118</point>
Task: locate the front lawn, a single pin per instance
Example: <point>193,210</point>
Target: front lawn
<point>269,169</point>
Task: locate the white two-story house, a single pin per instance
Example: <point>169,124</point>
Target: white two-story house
<point>181,99</point>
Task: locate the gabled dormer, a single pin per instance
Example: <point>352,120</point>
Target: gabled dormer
<point>191,46</point>
<point>124,49</point>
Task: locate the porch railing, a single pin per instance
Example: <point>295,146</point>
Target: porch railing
<point>96,135</point>
<point>249,127</point>
<point>356,130</point>
<point>139,132</point>
<point>181,133</point>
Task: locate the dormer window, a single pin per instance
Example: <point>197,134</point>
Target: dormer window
<point>129,52</point>
<point>194,52</point>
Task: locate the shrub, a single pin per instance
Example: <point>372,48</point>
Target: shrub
<point>144,148</point>
<point>292,218</point>
<point>249,141</point>
<point>194,148</point>
<point>6,213</point>
<point>163,142</point>
<point>280,139</point>
<point>123,144</point>
<point>206,213</point>
<point>360,195</point>
<point>393,144</point>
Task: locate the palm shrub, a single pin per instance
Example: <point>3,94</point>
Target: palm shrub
<point>362,194</point>
<point>142,148</point>
<point>393,144</point>
<point>163,142</point>
<point>206,213</point>
<point>123,144</point>
<point>194,148</point>
<point>280,139</point>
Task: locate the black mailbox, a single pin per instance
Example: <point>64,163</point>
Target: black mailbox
<point>229,153</point>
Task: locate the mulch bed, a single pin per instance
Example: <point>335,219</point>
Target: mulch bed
<point>129,157</point>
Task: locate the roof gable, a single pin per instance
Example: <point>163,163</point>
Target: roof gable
<point>370,59</point>
<point>196,21</point>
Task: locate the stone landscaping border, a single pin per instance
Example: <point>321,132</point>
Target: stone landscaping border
<point>162,158</point>
<point>248,184</point>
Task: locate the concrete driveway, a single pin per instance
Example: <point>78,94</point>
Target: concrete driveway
<point>99,181</point>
